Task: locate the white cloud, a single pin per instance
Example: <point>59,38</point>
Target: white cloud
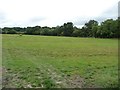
<point>52,12</point>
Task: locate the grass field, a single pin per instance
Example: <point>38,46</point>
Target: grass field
<point>48,61</point>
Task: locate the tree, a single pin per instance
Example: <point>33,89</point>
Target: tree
<point>12,31</point>
<point>109,28</point>
<point>29,30</point>
<point>67,29</point>
<point>36,30</point>
<point>89,27</point>
<point>45,31</point>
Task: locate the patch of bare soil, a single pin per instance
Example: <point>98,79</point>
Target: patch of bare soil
<point>0,77</point>
<point>75,81</point>
<point>5,77</point>
<point>11,80</point>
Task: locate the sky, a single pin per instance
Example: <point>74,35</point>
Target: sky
<point>23,13</point>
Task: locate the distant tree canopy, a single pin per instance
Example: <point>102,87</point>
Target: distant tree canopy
<point>108,29</point>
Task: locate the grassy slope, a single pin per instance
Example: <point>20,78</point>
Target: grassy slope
<point>46,61</point>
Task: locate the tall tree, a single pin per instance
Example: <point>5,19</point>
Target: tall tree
<point>67,29</point>
<point>89,26</point>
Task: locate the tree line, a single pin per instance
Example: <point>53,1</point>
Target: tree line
<point>107,29</point>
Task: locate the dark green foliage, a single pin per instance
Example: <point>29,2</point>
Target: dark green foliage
<point>12,31</point>
<point>67,29</point>
<point>107,29</point>
<point>89,28</point>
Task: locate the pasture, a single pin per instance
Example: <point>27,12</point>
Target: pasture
<point>59,62</point>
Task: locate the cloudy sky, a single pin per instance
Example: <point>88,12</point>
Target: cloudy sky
<point>51,13</point>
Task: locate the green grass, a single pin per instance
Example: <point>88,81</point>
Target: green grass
<point>49,61</point>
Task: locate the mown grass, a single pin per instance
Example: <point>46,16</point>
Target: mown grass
<point>48,61</point>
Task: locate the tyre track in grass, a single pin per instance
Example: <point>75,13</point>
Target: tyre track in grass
<point>10,79</point>
<point>59,79</point>
<point>46,74</point>
<point>47,71</point>
<point>43,72</point>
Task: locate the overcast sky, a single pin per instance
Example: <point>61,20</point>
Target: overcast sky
<point>51,13</point>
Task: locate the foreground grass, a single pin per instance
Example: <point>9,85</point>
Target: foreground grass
<point>47,61</point>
